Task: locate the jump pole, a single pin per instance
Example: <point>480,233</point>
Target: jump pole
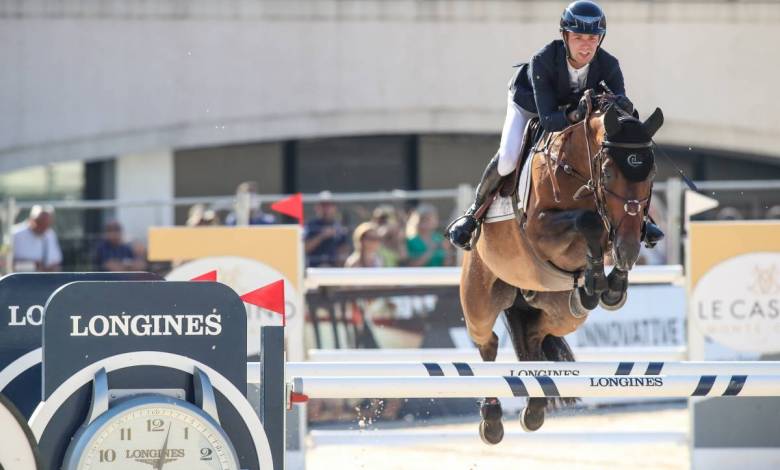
<point>664,386</point>
<point>494,369</point>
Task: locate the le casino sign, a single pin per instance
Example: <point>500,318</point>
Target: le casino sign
<point>737,303</point>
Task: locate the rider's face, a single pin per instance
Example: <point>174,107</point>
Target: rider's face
<point>582,47</point>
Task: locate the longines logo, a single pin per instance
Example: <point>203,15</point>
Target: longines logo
<point>154,457</point>
<point>626,381</point>
<point>33,315</point>
<point>147,325</point>
<point>544,372</point>
<point>737,303</point>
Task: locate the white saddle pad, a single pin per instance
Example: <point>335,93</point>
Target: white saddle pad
<point>501,209</point>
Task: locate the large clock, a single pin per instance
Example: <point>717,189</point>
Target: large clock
<point>151,431</point>
<point>18,449</point>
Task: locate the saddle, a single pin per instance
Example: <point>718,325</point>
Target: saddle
<point>533,131</point>
<point>507,187</point>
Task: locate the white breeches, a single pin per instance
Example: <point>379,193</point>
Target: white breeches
<point>512,136</point>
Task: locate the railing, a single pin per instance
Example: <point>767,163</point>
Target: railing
<point>670,191</point>
<point>429,277</point>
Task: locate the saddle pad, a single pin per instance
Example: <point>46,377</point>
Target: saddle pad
<point>501,208</point>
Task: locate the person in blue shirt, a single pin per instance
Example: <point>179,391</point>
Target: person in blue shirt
<point>113,254</point>
<point>326,239</point>
<point>551,86</point>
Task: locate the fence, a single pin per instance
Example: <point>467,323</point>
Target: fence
<point>79,222</point>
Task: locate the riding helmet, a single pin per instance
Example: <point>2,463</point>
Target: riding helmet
<point>584,17</point>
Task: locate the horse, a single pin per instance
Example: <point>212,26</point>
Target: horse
<point>590,193</point>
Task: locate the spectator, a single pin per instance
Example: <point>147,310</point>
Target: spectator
<point>326,239</point>
<point>112,254</point>
<point>729,213</point>
<point>393,249</point>
<point>773,213</point>
<point>367,244</point>
<point>426,246</point>
<point>199,216</point>
<point>35,244</point>
<point>246,193</point>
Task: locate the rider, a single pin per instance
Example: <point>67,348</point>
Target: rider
<point>551,86</point>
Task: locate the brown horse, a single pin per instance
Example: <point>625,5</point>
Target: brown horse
<point>591,188</point>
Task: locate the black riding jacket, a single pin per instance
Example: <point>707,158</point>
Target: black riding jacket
<point>542,86</point>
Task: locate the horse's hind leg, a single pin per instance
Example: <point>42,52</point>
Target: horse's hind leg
<point>537,326</point>
<point>483,296</point>
<point>527,341</point>
<point>491,429</point>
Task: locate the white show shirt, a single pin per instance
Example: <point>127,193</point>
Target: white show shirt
<point>29,247</point>
<point>577,77</point>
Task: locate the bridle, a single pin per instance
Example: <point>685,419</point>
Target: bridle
<point>595,183</point>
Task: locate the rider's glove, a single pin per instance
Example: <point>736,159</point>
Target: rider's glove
<point>578,114</point>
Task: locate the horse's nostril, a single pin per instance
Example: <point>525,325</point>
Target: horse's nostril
<point>627,253</point>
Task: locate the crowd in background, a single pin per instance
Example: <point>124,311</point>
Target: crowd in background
<point>391,238</point>
<point>387,235</point>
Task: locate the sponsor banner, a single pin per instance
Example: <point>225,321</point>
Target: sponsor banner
<point>244,275</point>
<point>734,285</point>
<point>186,322</point>
<point>22,300</point>
<point>89,321</point>
<point>245,258</point>
<point>737,303</point>
<point>654,315</point>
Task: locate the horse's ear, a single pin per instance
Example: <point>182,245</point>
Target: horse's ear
<point>654,122</point>
<point>611,123</point>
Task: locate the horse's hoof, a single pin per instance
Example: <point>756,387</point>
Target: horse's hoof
<point>580,303</point>
<point>532,419</point>
<point>613,302</point>
<point>491,432</point>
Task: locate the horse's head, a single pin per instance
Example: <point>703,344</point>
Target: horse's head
<point>626,169</point>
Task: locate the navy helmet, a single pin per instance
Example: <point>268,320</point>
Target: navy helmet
<point>584,17</point>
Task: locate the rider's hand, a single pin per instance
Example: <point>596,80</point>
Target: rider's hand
<point>578,114</point>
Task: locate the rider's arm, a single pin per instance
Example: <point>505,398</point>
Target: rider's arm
<point>551,118</point>
<point>613,76</point>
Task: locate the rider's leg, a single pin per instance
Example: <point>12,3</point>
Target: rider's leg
<point>503,163</point>
<point>652,234</point>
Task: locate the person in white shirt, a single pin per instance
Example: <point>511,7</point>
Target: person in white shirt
<point>35,245</point>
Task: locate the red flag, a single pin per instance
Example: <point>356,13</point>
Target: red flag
<point>209,276</point>
<point>270,297</point>
<point>292,206</point>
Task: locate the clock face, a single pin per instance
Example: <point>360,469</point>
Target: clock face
<point>152,433</point>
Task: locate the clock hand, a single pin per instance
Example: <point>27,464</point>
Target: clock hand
<point>161,458</point>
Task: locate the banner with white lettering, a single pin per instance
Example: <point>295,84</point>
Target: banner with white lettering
<point>187,322</point>
<point>22,298</point>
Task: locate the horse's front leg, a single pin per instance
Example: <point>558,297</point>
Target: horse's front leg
<point>616,294</point>
<point>557,233</point>
<point>590,226</point>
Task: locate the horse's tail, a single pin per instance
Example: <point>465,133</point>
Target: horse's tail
<point>520,319</point>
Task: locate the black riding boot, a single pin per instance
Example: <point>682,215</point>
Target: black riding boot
<point>461,230</point>
<point>652,234</point>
